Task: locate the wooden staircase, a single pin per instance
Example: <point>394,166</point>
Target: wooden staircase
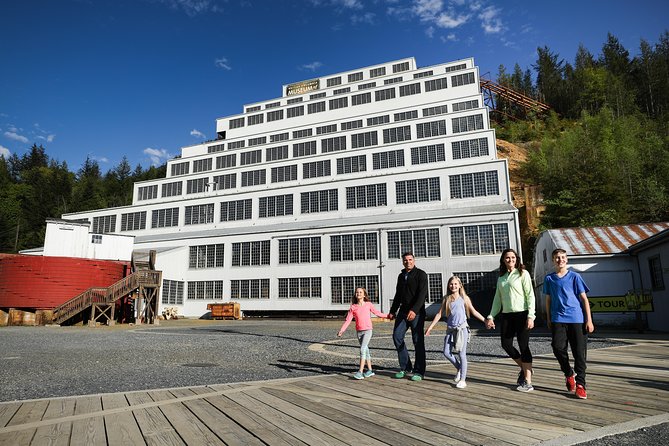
<point>142,281</point>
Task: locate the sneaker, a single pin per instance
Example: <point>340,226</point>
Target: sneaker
<point>525,387</point>
<point>521,378</point>
<point>570,382</point>
<point>461,384</point>
<point>368,374</point>
<point>457,377</point>
<point>358,375</point>
<point>400,375</point>
<point>416,377</point>
<point>580,392</point>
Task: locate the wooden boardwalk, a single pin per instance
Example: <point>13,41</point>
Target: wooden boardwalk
<point>624,383</point>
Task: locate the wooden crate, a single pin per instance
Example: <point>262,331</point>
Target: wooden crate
<point>228,310</point>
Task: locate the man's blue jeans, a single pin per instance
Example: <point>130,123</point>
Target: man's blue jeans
<point>417,336</point>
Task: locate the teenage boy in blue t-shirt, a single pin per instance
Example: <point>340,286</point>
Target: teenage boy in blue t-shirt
<point>569,319</point>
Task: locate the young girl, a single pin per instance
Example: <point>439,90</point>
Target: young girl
<point>361,308</point>
<point>458,307</point>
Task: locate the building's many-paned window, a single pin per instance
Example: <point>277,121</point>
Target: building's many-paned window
<point>462,79</point>
<point>397,134</point>
<point>299,288</point>
<point>333,81</point>
<point>252,109</point>
<point>399,67</point>
<point>405,116</point>
<point>365,139</point>
<point>306,148</point>
<point>205,290</point>
<point>343,287</point>
<point>316,107</point>
<point>203,165</point>
<point>96,239</point>
<point>394,80</point>
<point>236,210</point>
<point>469,148</point>
<point>172,292</point>
<point>251,253</point>
<point>455,67</point>
<point>252,157</point>
<point>319,201</point>
<point>276,153</point>
<point>342,90</point>
<point>199,214</point>
<point>273,104</point>
<point>294,100</point>
<point>430,129</point>
<point>226,161</point>
<point>418,191</point>
<point>255,119</point>
<point>387,160</point>
<point>257,141</point>
<point>350,125</point>
<point>147,192</point>
<point>351,164</point>
<point>171,189</point>
<point>197,185</point>
<point>435,290</point>
<point>249,289</point>
<point>236,144</point>
<point>434,111</point>
<point>300,250</point>
<point>253,177</point>
<point>133,221</point>
<point>227,181</point>
<point>317,95</point>
<point>236,123</point>
<point>205,256</point>
<point>216,148</point>
<point>333,144</point>
<point>316,169</point>
<point>355,77</point>
<point>467,123</point>
<point>294,112</point>
<point>367,196</point>
<point>284,173</point>
<point>180,169</point>
<point>422,242</point>
<point>423,74</point>
<point>366,86</point>
<point>479,239</point>
<point>330,128</point>
<point>348,247</point>
<point>279,137</point>
<point>275,206</point>
<point>165,218</point>
<point>104,224</point>
<point>382,95</point>
<point>466,105</point>
<point>655,270</point>
<point>476,184</point>
<point>376,72</point>
<point>303,133</point>
<point>428,154</point>
<point>362,98</point>
<point>477,281</point>
<point>378,120</point>
<point>408,90</point>
<point>274,115</point>
<point>436,84</point>
<point>338,103</point>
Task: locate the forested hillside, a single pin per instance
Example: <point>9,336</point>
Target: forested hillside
<point>601,156</point>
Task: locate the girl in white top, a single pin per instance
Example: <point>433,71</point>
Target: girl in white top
<point>458,308</point>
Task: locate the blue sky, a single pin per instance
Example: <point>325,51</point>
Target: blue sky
<point>143,78</point>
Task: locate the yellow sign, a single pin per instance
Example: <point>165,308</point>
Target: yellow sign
<point>632,301</point>
<point>302,87</point>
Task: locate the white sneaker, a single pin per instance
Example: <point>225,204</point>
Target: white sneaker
<point>457,377</point>
<point>461,384</point>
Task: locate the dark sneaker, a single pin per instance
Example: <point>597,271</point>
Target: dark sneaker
<point>570,382</point>
<point>525,387</point>
<point>521,378</point>
<point>580,392</point>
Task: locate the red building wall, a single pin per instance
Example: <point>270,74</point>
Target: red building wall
<point>37,282</point>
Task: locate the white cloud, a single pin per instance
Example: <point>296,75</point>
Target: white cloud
<point>367,17</point>
<point>490,20</point>
<point>223,63</point>
<point>4,152</point>
<point>433,12</point>
<point>198,134</point>
<point>430,31</point>
<point>194,7</point>
<point>16,137</point>
<point>157,156</point>
<point>101,159</point>
<point>313,66</point>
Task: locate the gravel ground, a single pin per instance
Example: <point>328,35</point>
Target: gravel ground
<point>44,362</point>
<point>652,435</point>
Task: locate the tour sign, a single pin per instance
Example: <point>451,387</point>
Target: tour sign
<point>635,300</point>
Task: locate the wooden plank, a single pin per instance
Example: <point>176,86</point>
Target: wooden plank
<point>88,431</point>
<point>155,428</point>
<point>28,412</point>
<point>261,428</point>
<point>7,411</point>
<point>121,427</point>
<point>55,434</point>
<point>191,430</point>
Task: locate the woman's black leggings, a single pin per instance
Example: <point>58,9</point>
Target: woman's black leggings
<point>515,325</point>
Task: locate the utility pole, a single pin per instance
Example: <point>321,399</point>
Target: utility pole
<point>16,241</point>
